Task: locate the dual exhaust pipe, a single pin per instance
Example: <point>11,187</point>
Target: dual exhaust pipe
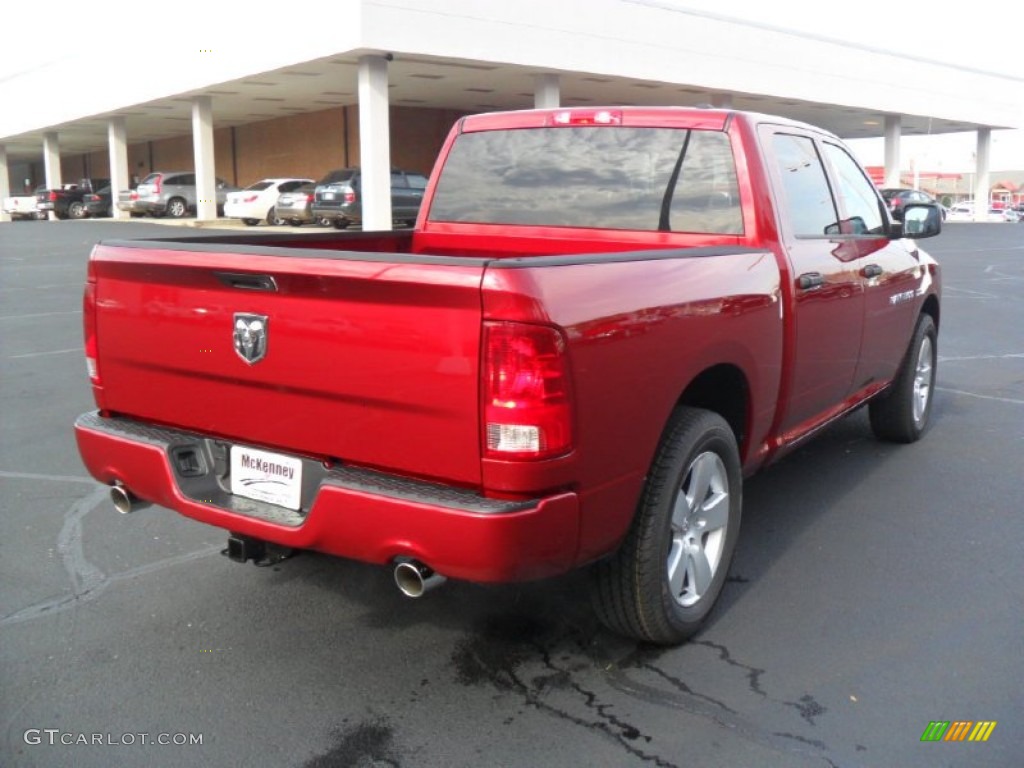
<point>413,578</point>
<point>125,501</point>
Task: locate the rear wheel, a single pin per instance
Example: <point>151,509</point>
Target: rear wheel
<point>177,208</point>
<point>273,219</point>
<point>340,223</point>
<point>901,415</point>
<point>76,210</point>
<point>665,578</point>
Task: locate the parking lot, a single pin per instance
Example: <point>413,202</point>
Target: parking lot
<point>876,588</point>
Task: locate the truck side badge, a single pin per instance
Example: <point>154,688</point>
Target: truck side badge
<point>251,336</point>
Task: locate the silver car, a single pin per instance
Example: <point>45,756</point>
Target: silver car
<point>173,194</point>
<point>295,207</point>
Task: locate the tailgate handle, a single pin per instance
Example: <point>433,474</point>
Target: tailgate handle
<point>247,282</point>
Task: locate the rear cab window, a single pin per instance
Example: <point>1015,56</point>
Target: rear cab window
<point>610,177</point>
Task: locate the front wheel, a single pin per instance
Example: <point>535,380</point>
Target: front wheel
<point>273,219</point>
<point>666,576</point>
<point>76,210</point>
<point>901,414</point>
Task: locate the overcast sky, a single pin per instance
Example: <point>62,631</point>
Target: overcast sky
<point>986,37</point>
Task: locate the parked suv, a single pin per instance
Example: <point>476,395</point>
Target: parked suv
<point>336,198</point>
<point>173,194</point>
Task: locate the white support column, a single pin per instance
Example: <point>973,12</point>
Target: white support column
<point>117,142</point>
<point>51,162</point>
<point>893,130</point>
<point>374,142</point>
<point>982,184</point>
<point>202,146</point>
<point>547,91</point>
<point>5,183</point>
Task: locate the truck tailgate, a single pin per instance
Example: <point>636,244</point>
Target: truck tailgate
<point>367,359</point>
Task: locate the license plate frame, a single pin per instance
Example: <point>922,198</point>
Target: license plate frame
<point>273,478</point>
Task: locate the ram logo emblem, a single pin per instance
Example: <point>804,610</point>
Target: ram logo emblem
<point>251,336</point>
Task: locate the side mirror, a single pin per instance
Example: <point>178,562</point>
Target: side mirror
<point>920,220</point>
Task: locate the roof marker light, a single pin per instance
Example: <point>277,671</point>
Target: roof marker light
<point>587,117</point>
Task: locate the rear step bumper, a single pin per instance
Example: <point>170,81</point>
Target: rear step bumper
<point>354,513</point>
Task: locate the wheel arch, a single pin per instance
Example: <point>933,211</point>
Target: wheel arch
<point>725,390</point>
<point>931,307</point>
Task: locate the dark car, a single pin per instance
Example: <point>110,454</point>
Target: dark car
<point>67,202</point>
<point>97,204</point>
<point>897,198</point>
<point>337,197</point>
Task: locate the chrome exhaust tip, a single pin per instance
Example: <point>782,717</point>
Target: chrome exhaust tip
<point>125,501</point>
<point>414,579</point>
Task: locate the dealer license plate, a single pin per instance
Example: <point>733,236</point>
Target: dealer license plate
<point>265,476</point>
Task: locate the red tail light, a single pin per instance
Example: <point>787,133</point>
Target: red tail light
<point>158,184</point>
<point>133,196</point>
<point>309,198</point>
<point>349,195</point>
<point>525,392</point>
<point>89,325</point>
<point>250,199</point>
<point>53,196</point>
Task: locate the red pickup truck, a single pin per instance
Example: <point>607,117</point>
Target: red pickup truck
<point>603,320</point>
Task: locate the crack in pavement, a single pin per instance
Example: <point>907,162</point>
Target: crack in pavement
<point>87,580</point>
<point>702,705</point>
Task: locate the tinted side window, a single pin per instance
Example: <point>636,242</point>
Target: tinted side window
<point>861,214</point>
<point>810,208</point>
<point>181,180</point>
<point>707,196</point>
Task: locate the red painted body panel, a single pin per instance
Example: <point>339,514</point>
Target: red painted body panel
<point>518,546</point>
<point>373,363</point>
<point>377,359</point>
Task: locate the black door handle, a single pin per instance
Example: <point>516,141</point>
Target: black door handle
<point>871,270</point>
<point>810,280</point>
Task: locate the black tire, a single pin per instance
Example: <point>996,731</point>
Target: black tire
<point>177,208</point>
<point>76,210</point>
<point>340,223</point>
<point>639,592</point>
<point>902,413</point>
<point>273,220</point>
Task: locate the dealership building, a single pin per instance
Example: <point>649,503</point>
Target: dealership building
<point>379,83</point>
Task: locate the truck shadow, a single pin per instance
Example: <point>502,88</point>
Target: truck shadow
<point>779,504</point>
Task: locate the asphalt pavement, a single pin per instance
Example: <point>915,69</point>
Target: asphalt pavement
<point>876,589</point>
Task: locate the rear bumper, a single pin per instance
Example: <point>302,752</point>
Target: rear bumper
<point>353,513</point>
